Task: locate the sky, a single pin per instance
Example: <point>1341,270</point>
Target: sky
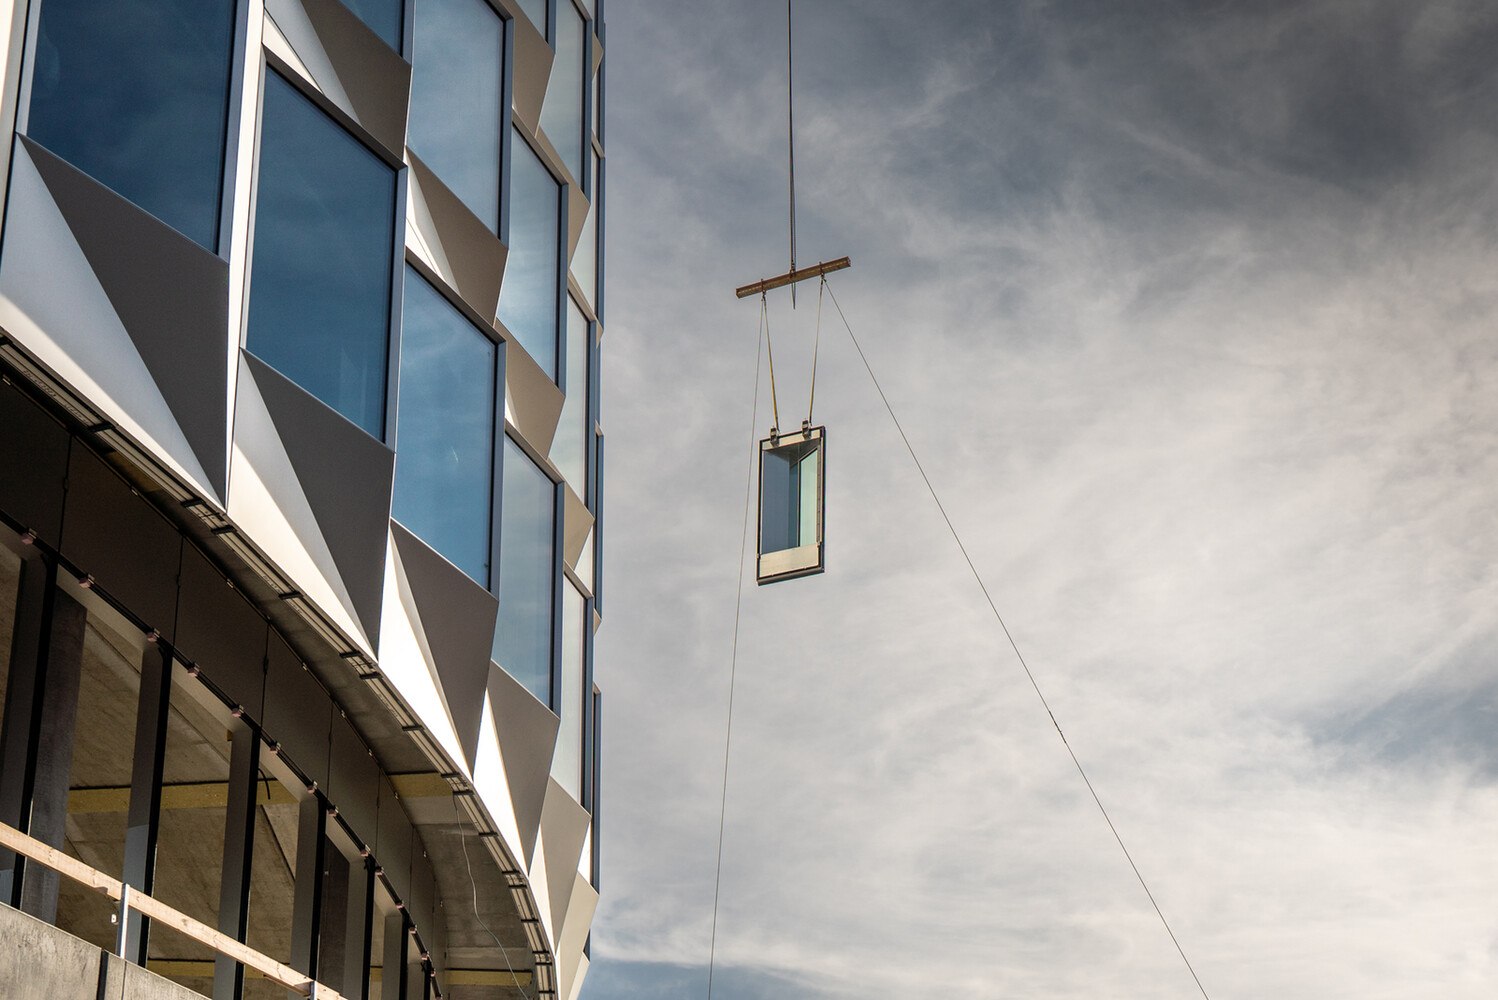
<point>1187,310</point>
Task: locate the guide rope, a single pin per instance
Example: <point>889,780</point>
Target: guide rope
<point>738,603</point>
<point>473,883</point>
<point>1012,644</point>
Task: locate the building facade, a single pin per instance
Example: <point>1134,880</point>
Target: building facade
<point>300,504</point>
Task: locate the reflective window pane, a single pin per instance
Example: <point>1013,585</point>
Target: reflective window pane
<point>385,17</point>
<point>190,845</point>
<point>585,257</point>
<point>569,449</point>
<point>527,573</point>
<point>135,93</point>
<point>456,86</point>
<point>445,431</point>
<point>102,744</point>
<point>273,869</point>
<point>528,298</point>
<point>567,762</point>
<point>536,11</point>
<point>562,114</point>
<point>320,277</point>
<point>788,496</point>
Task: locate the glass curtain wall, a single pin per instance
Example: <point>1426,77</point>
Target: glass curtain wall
<point>323,247</point>
<point>457,90</point>
<point>273,869</point>
<point>385,18</point>
<point>527,573</point>
<point>444,461</point>
<point>528,298</point>
<point>567,763</point>
<point>562,114</point>
<point>569,449</point>
<point>194,809</point>
<point>585,258</point>
<point>135,93</point>
<point>100,737</point>
<point>536,11</point>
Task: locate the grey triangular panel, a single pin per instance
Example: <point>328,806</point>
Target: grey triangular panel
<point>534,400</point>
<point>170,294</point>
<point>527,737</point>
<point>475,254</point>
<point>533,58</point>
<point>564,825</point>
<point>458,618</point>
<point>376,79</point>
<point>346,476</point>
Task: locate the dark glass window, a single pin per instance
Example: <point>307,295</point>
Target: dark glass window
<point>457,74</point>
<point>527,572</point>
<point>445,429</point>
<point>528,299</point>
<point>324,239</point>
<point>135,93</point>
<point>562,114</point>
<point>385,17</point>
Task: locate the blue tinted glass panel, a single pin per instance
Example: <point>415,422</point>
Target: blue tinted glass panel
<point>536,11</point>
<point>324,239</point>
<point>386,17</point>
<point>562,114</point>
<point>789,493</point>
<point>569,449</point>
<point>567,761</point>
<point>528,298</point>
<point>445,429</point>
<point>456,88</point>
<point>135,93</point>
<point>527,573</point>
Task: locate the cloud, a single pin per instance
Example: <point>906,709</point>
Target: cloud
<point>1186,310</point>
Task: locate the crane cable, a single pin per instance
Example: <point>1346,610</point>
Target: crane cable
<point>764,330</point>
<point>790,130</point>
<point>1012,644</point>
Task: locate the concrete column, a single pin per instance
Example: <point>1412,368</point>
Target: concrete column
<point>393,962</point>
<point>143,821</point>
<point>306,917</point>
<point>239,846</point>
<point>333,936</point>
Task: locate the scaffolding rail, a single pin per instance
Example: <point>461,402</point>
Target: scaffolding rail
<point>130,898</point>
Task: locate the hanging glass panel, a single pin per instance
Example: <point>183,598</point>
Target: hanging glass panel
<point>792,492</point>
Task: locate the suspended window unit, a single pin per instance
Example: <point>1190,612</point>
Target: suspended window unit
<point>792,500</point>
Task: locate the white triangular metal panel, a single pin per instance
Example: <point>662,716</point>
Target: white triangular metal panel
<point>536,876</point>
<point>266,502</point>
<point>52,304</point>
<point>290,21</point>
<point>574,935</point>
<point>580,977</point>
<point>276,41</point>
<point>493,786</point>
<point>407,662</point>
